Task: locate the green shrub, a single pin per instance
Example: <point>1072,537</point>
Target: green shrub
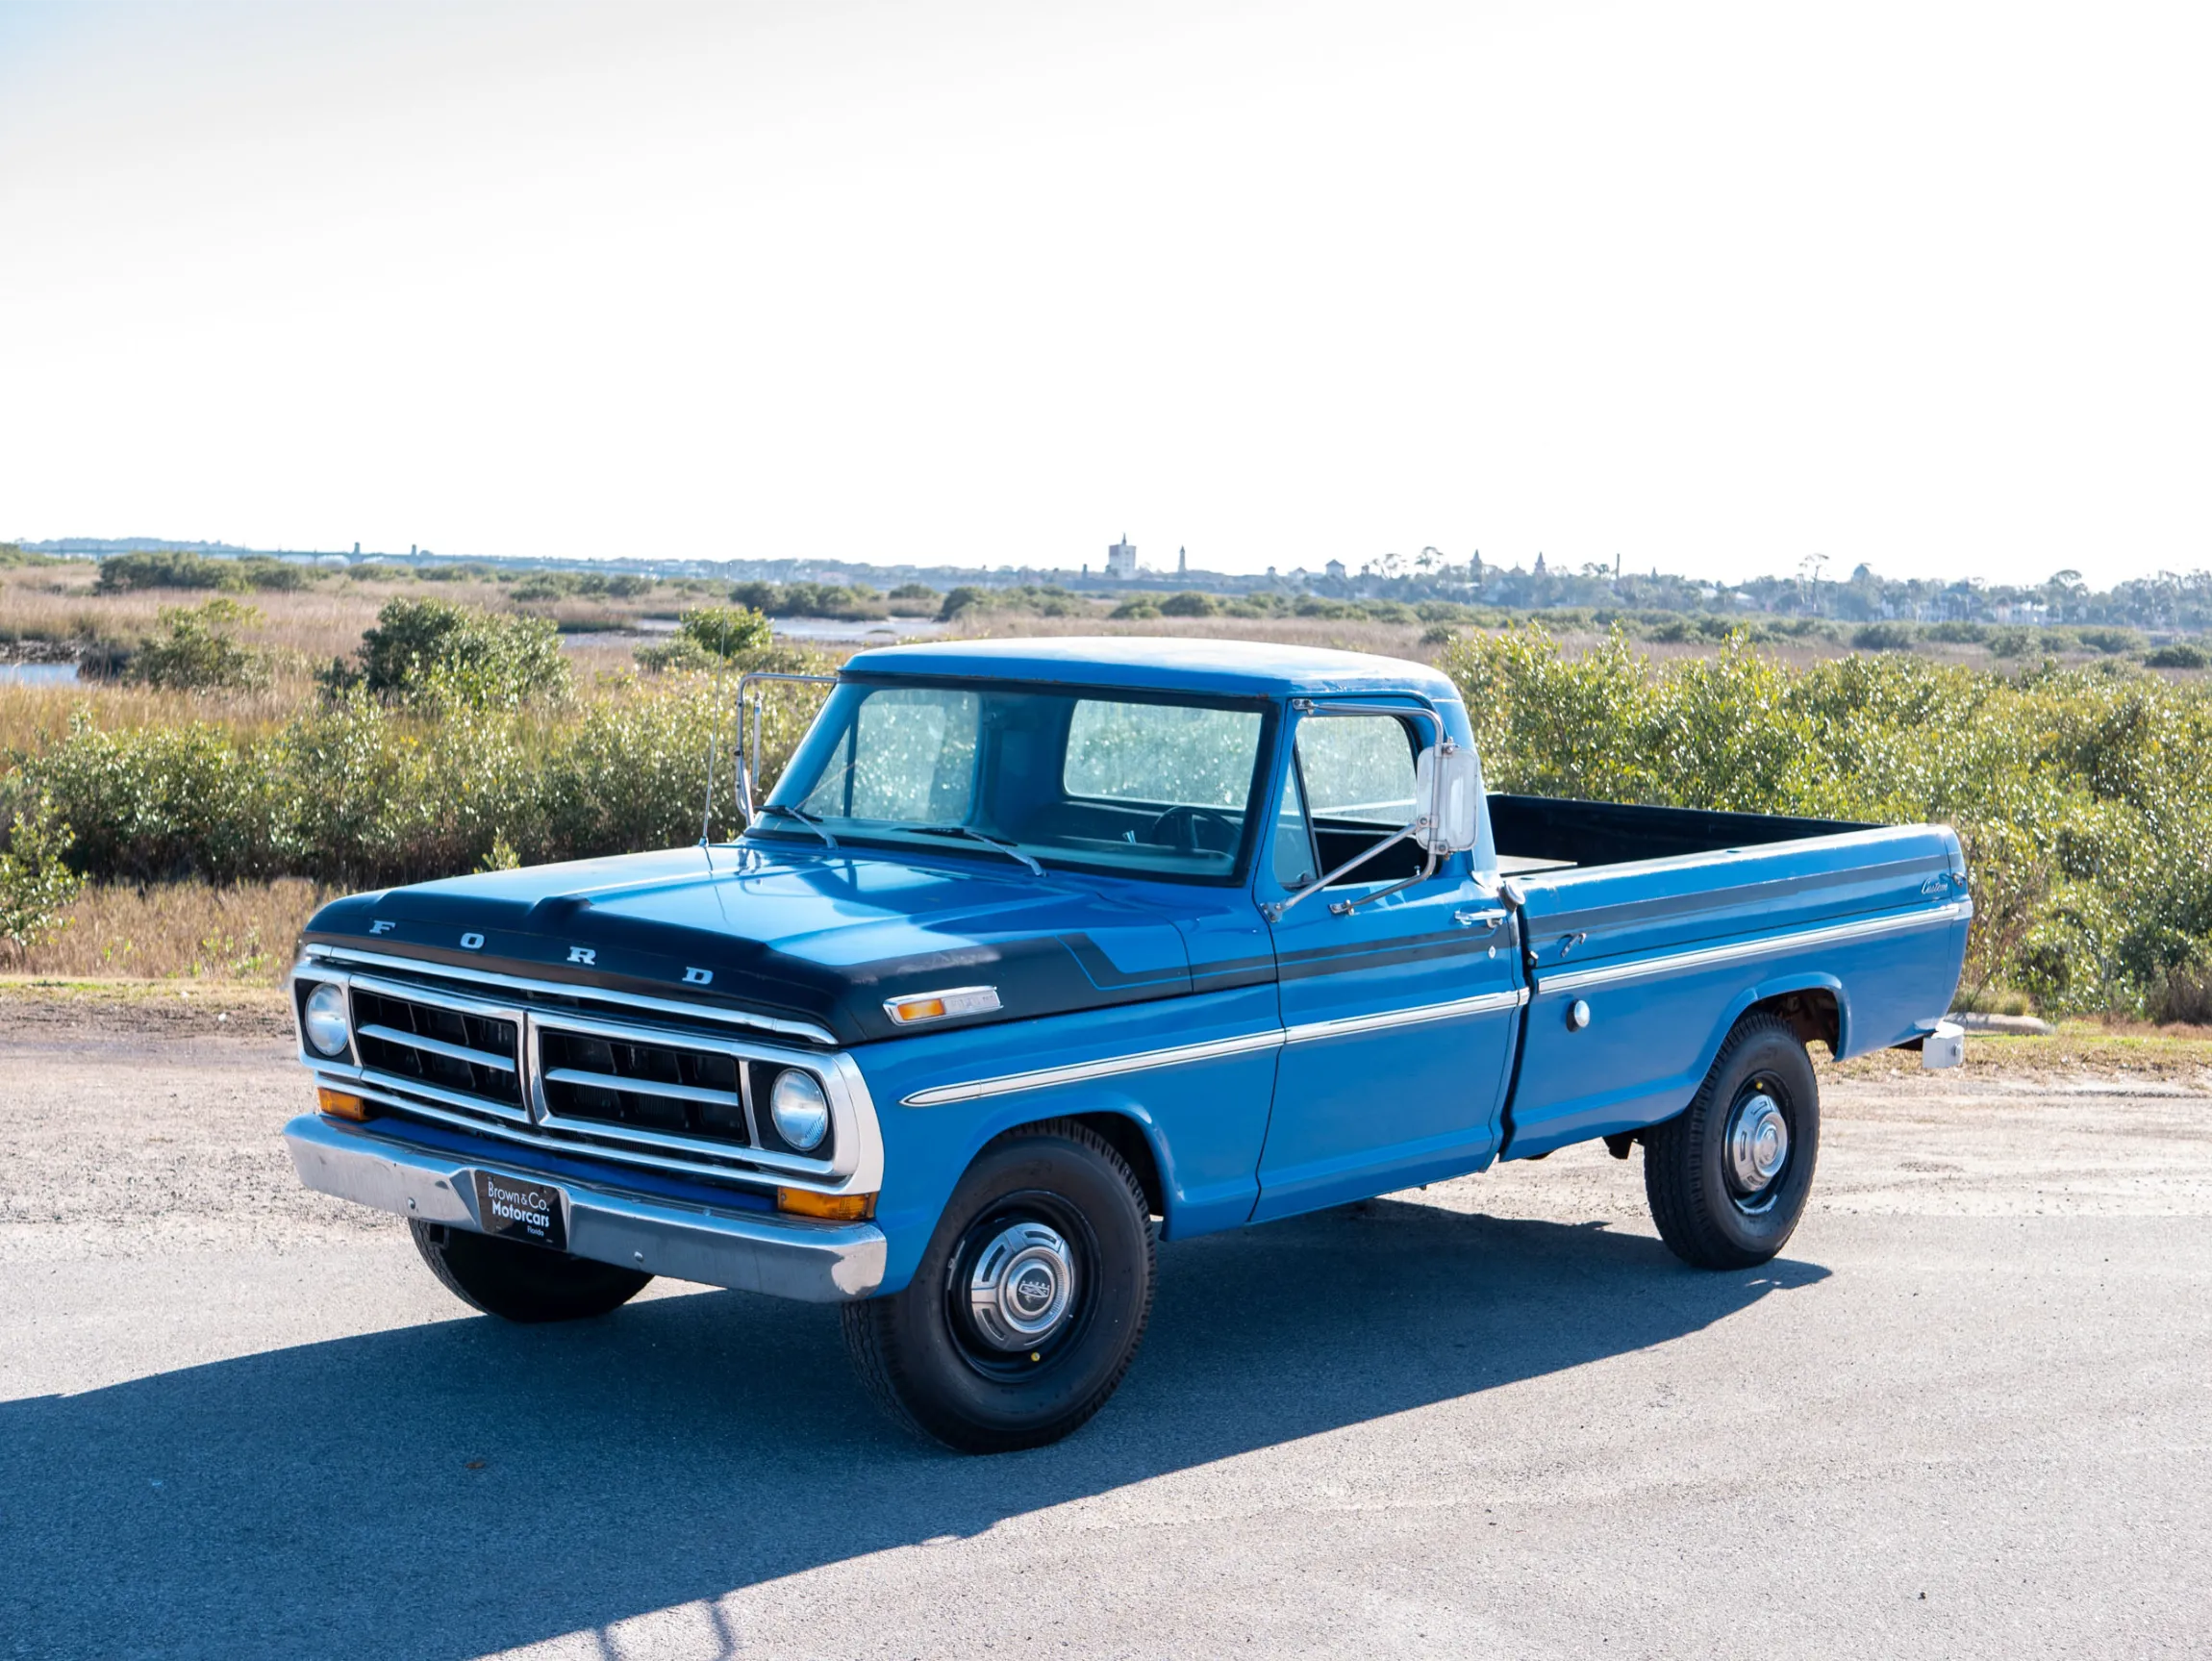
<point>962,598</point>
<point>806,599</point>
<point>2180,655</point>
<point>1137,608</point>
<point>196,652</point>
<point>913,591</point>
<point>1957,634</point>
<point>2110,642</point>
<point>1190,603</point>
<point>166,568</point>
<point>435,651</point>
<point>275,577</point>
<point>1884,638</point>
<point>2014,641</point>
<point>35,884</point>
<point>707,637</point>
<point>180,568</point>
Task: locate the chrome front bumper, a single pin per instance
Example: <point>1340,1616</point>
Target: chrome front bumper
<point>784,1257</point>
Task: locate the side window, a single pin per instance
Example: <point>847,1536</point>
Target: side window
<point>1294,841</point>
<point>1358,768</point>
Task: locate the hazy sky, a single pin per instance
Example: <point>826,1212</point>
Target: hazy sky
<point>1709,285</point>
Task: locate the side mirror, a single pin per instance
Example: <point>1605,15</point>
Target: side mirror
<point>1447,788</point>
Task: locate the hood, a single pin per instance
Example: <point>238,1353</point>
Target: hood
<point>805,934</point>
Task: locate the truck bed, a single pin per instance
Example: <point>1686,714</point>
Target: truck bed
<point>1533,832</point>
<point>1664,924</point>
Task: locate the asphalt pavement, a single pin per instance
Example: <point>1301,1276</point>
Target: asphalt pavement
<point>1967,1412</point>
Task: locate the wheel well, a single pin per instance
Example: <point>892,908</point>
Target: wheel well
<point>1812,1013</point>
<point>1126,1137</point>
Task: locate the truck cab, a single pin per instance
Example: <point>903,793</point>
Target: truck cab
<point>1040,951</point>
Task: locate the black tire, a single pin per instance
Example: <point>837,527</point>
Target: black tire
<point>517,1281</point>
<point>1710,1214</point>
<point>927,1358</point>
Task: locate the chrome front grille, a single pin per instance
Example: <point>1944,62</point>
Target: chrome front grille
<point>459,1051</point>
<point>645,1092</point>
<point>646,1085</point>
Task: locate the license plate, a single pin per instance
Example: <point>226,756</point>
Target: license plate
<point>523,1210</point>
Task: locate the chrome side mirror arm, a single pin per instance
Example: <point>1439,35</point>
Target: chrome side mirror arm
<point>748,761</point>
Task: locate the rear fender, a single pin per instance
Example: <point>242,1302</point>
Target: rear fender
<point>1773,992</point>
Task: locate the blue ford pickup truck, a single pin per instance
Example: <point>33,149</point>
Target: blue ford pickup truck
<point>1041,950</point>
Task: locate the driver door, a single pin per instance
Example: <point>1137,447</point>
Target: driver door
<point>1399,1013</point>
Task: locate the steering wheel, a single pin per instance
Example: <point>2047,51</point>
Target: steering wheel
<point>1178,828</point>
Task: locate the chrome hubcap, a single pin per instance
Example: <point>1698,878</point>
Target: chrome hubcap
<point>1022,1286</point>
<point>1758,1142</point>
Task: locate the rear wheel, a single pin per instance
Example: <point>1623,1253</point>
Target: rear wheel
<point>1728,1177</point>
<point>522,1282</point>
<point>1028,1303</point>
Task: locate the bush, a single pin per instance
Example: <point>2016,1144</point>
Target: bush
<point>1190,603</point>
<point>273,576</point>
<point>179,569</point>
<point>34,882</point>
<point>962,598</point>
<point>2180,655</point>
<point>913,591</point>
<point>709,637</point>
<point>806,599</point>
<point>359,792</point>
<point>2014,641</point>
<point>2110,642</point>
<point>1137,608</point>
<point>197,654</point>
<point>167,569</point>
<point>1957,634</point>
<point>1883,638</point>
<point>435,651</point>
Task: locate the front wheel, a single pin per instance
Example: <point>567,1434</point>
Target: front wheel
<point>1728,1177</point>
<point>1028,1303</point>
<point>517,1281</point>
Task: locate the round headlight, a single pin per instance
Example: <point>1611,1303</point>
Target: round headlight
<point>323,1020</point>
<point>800,1110</point>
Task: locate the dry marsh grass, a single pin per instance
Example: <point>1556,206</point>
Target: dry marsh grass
<point>304,628</point>
<point>193,931</point>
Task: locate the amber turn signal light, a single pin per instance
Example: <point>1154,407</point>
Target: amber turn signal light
<point>918,1009</point>
<point>340,1105</point>
<point>835,1207</point>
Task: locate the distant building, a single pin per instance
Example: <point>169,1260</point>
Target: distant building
<point>1334,570</point>
<point>1182,562</point>
<point>1121,558</point>
<point>1540,564</point>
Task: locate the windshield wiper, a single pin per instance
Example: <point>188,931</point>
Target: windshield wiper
<point>799,815</point>
<point>973,834</point>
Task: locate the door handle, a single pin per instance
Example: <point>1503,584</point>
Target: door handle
<point>1485,919</point>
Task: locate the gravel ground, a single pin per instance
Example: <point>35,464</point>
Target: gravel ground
<point>1967,1414</point>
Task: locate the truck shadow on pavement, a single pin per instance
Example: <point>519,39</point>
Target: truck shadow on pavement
<point>466,1486</point>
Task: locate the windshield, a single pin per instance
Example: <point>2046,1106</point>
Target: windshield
<point>1142,786</point>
